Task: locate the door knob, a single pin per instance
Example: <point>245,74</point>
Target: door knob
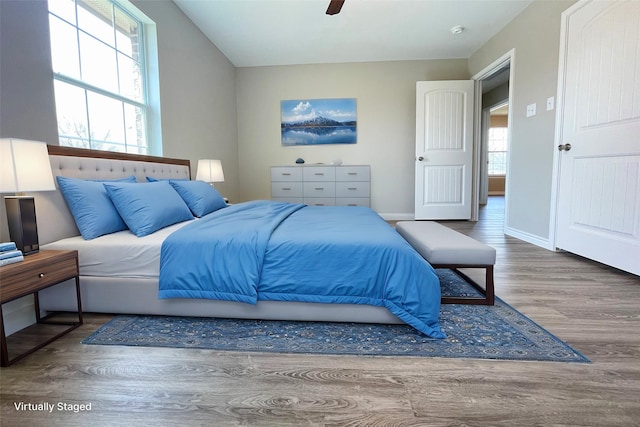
<point>420,158</point>
<point>564,147</point>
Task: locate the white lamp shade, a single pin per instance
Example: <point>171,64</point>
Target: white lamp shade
<point>210,171</point>
<point>24,166</point>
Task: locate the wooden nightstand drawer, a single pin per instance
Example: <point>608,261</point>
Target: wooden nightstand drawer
<point>35,273</point>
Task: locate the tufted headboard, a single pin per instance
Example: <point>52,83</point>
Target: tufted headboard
<point>54,219</point>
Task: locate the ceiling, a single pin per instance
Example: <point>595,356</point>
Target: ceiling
<point>284,32</point>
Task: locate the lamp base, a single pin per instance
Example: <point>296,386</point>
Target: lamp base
<point>23,229</point>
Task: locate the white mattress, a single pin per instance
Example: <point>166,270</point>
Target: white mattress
<point>120,254</point>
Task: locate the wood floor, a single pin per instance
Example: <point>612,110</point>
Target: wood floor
<point>594,308</point>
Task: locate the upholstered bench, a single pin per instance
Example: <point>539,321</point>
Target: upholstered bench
<point>443,247</point>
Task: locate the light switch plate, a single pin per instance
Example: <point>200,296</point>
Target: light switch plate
<point>550,103</point>
<point>531,110</point>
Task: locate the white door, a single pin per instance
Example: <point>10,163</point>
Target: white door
<point>444,149</point>
<point>598,211</point>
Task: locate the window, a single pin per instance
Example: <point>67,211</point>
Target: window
<point>498,139</point>
<point>98,57</point>
<point>498,150</point>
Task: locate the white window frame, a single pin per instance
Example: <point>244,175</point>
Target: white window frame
<point>149,104</point>
<point>505,131</point>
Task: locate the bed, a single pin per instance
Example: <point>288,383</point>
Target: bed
<point>123,273</point>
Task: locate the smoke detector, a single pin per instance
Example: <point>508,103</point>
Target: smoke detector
<point>458,29</point>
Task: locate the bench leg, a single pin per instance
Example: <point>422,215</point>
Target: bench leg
<point>488,292</point>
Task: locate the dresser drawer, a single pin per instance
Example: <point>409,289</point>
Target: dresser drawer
<point>319,173</point>
<point>289,173</point>
<point>319,189</point>
<point>353,201</point>
<point>352,173</point>
<point>286,189</point>
<point>288,199</point>
<point>352,189</point>
<point>320,201</point>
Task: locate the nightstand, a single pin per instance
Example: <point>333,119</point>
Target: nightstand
<point>35,273</point>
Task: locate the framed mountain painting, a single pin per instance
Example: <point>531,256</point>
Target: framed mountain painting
<point>318,121</point>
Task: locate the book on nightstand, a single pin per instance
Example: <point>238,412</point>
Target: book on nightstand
<point>7,246</point>
<point>9,254</point>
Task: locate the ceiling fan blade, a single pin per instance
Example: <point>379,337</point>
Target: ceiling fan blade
<point>334,7</point>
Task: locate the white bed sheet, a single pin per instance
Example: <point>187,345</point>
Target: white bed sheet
<point>120,254</point>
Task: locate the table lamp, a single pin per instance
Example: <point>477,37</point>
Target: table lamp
<point>210,171</point>
<point>24,166</point>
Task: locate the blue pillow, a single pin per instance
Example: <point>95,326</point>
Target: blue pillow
<point>92,209</point>
<point>148,207</point>
<point>152,179</point>
<point>201,197</point>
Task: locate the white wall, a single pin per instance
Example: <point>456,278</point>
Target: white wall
<point>535,36</point>
<point>385,93</point>
<point>27,107</point>
<point>197,94</point>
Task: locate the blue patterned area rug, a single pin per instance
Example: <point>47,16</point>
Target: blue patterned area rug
<point>473,331</point>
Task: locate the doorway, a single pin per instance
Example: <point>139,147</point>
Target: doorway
<point>493,96</point>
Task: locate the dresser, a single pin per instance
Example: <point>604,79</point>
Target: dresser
<point>322,185</point>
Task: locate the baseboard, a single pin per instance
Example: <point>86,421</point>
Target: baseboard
<point>398,216</point>
<point>529,238</point>
<point>18,314</point>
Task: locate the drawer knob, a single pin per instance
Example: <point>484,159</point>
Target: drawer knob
<point>41,275</point>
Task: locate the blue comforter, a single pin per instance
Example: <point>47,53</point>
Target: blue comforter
<point>276,251</point>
